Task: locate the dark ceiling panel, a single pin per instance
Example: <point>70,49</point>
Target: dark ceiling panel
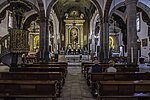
<point>82,6</point>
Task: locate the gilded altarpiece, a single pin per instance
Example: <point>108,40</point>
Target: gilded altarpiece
<point>34,41</point>
<point>74,38</point>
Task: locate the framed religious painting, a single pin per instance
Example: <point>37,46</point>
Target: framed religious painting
<point>144,42</point>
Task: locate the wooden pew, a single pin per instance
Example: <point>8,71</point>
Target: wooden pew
<point>58,76</point>
<point>63,65</point>
<point>87,67</point>
<point>83,65</point>
<point>40,69</point>
<point>105,76</point>
<point>12,89</point>
<point>128,67</point>
<point>51,63</point>
<point>116,76</point>
<point>119,69</point>
<point>124,89</point>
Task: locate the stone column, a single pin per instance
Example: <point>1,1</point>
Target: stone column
<point>44,40</point>
<point>101,55</point>
<point>106,40</point>
<point>132,51</point>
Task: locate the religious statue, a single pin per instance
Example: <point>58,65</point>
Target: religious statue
<point>36,42</point>
<point>82,16</point>
<point>66,14</point>
<point>111,43</point>
<point>74,36</point>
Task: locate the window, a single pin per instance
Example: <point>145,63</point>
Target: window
<point>10,19</point>
<point>138,23</point>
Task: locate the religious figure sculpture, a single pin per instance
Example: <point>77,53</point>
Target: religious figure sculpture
<point>66,14</point>
<point>82,16</point>
<point>74,36</point>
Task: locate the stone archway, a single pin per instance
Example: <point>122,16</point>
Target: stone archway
<point>53,2</point>
<point>145,8</point>
<point>141,5</point>
<point>94,2</point>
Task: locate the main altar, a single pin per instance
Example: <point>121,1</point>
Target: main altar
<point>77,58</point>
<point>74,37</point>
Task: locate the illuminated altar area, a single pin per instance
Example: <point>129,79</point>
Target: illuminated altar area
<point>74,37</point>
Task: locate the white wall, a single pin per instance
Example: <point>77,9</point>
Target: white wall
<point>3,26</point>
<point>143,34</point>
<point>55,21</point>
<point>92,30</point>
<point>146,2</point>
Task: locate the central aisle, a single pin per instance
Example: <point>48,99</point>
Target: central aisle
<point>75,87</point>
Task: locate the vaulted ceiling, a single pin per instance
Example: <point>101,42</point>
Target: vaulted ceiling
<point>65,6</point>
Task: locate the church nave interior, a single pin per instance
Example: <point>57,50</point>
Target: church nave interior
<point>57,40</point>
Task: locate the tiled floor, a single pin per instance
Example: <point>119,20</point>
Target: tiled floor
<point>75,87</point>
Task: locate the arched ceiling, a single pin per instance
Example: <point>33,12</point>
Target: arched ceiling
<point>146,2</point>
<point>84,6</point>
<point>120,8</point>
<point>68,3</point>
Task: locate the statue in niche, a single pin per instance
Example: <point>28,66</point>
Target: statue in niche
<point>74,36</point>
<point>36,42</point>
<point>82,16</point>
<point>66,14</point>
<point>111,43</point>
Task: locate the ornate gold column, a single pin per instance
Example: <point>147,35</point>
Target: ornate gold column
<point>66,34</point>
<point>82,37</point>
<point>31,41</point>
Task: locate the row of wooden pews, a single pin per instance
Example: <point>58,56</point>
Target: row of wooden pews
<point>119,67</point>
<point>33,81</point>
<point>127,82</point>
<point>12,89</point>
<point>139,89</point>
<point>86,65</point>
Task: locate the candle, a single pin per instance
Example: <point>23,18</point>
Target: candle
<point>131,54</point>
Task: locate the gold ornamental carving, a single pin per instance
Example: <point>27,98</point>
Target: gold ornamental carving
<point>74,33</point>
<point>18,40</point>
